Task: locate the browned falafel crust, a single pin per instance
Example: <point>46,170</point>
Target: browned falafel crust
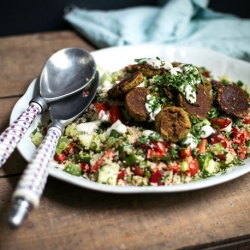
<point>135,103</point>
<point>203,103</point>
<point>233,100</point>
<point>173,124</point>
<point>148,70</point>
<point>126,84</point>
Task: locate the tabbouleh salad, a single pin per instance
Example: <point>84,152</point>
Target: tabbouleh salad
<point>157,123</point>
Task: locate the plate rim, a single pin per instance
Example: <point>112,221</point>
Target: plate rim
<point>79,181</point>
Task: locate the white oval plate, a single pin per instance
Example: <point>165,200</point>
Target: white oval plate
<point>115,58</point>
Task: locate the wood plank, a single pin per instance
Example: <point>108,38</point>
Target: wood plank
<point>6,106</point>
<point>24,58</point>
<point>71,217</point>
<point>15,164</point>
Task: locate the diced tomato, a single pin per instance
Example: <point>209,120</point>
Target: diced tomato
<point>85,167</point>
<point>160,146</point>
<point>242,155</point>
<point>213,135</point>
<point>99,107</point>
<point>221,122</point>
<point>202,146</point>
<point>175,167</point>
<point>154,154</point>
<point>220,139</point>
<point>246,119</point>
<point>183,153</point>
<point>109,153</point>
<point>156,178</point>
<point>138,171</point>
<point>115,114</point>
<point>194,167</point>
<point>240,136</point>
<point>60,158</point>
<point>121,175</point>
<point>239,140</point>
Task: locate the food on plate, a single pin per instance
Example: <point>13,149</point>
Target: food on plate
<point>126,84</point>
<point>135,102</point>
<point>172,123</point>
<point>202,105</point>
<point>148,70</point>
<point>233,100</point>
<point>156,123</point>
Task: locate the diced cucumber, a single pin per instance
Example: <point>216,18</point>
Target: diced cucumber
<point>92,142</point>
<point>128,149</point>
<point>71,130</point>
<point>111,141</point>
<point>207,163</point>
<point>82,157</point>
<point>210,166</point>
<point>73,169</point>
<point>229,158</point>
<point>216,148</point>
<point>183,166</point>
<point>103,137</point>
<point>95,144</point>
<point>131,160</point>
<point>62,144</point>
<point>108,175</point>
<point>85,140</point>
<point>36,138</point>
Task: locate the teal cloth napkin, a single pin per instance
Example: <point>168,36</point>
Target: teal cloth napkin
<point>173,22</point>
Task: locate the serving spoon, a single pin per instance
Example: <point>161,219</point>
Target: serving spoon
<point>65,73</point>
<point>31,185</point>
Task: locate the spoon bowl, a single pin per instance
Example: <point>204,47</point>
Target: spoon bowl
<point>65,73</point>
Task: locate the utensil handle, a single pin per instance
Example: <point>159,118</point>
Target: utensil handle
<point>31,185</point>
<point>15,132</point>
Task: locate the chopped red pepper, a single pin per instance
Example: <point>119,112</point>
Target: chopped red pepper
<point>99,107</point>
<point>85,167</point>
<point>115,114</point>
<point>202,146</point>
<point>156,178</point>
<point>138,171</point>
<point>183,153</point>
<point>60,158</point>
<point>121,175</point>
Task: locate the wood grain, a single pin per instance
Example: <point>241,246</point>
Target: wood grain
<point>22,57</point>
<point>6,106</point>
<point>70,217</point>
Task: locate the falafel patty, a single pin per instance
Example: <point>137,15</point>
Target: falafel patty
<point>135,103</point>
<point>173,124</point>
<point>233,100</point>
<point>126,84</point>
<point>203,103</point>
<point>148,70</point>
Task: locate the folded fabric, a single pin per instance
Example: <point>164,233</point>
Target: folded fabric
<point>177,22</point>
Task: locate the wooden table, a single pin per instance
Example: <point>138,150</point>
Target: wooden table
<point>71,217</point>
